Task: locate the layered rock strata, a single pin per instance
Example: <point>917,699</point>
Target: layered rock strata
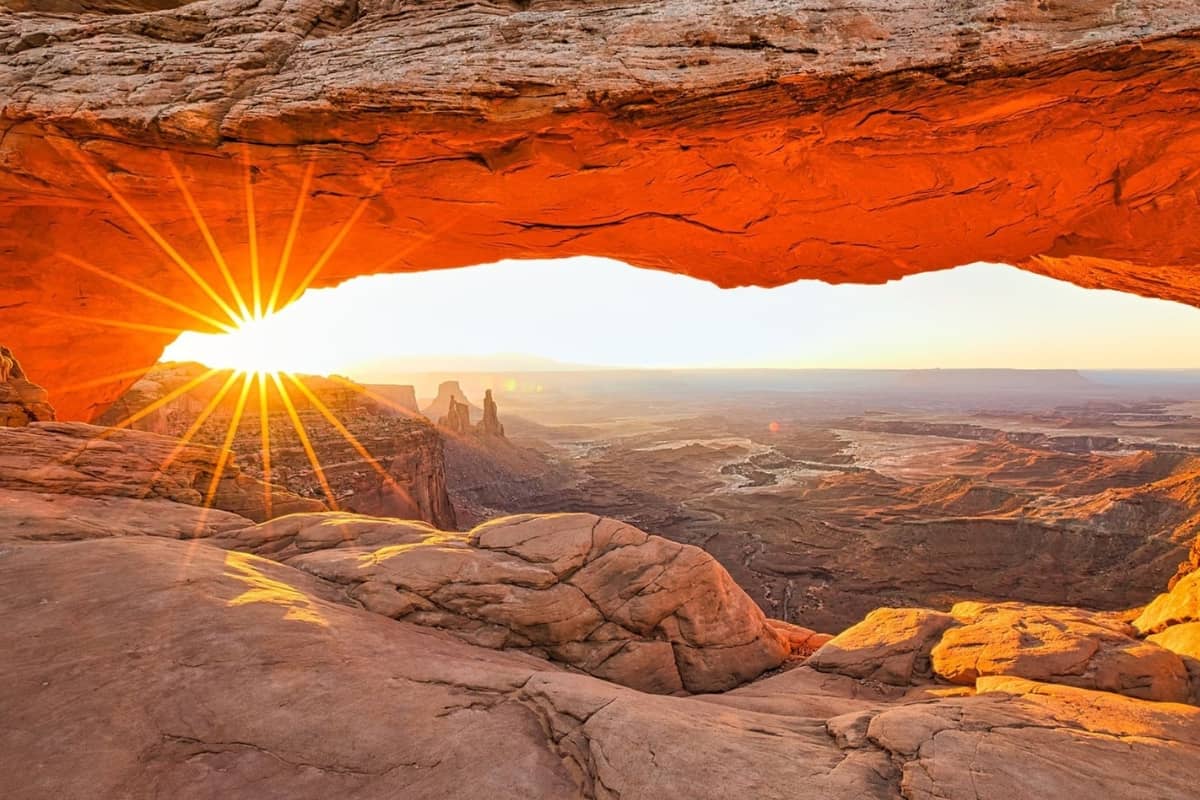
<point>757,142</point>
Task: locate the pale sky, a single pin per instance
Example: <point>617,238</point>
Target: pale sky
<point>601,312</point>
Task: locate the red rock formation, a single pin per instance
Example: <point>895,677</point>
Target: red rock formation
<point>490,424</point>
<point>457,419</point>
<point>407,480</point>
<point>21,401</point>
<point>741,145</point>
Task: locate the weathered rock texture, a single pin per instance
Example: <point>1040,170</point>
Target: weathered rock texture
<point>21,400</point>
<point>457,419</point>
<point>751,142</point>
<point>77,460</point>
<point>594,593</point>
<point>399,470</point>
<point>196,672</point>
<point>185,671</point>
<point>976,641</point>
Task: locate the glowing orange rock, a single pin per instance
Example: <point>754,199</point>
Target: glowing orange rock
<point>740,145</point>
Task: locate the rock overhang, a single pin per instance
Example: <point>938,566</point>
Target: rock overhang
<point>755,143</point>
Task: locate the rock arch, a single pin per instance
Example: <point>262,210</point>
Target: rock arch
<point>760,143</point>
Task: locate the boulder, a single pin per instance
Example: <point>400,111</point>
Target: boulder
<point>1057,645</point>
<point>591,592</point>
<point>1180,604</point>
<point>891,645</point>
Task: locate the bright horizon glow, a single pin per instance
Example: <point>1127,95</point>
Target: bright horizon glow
<point>596,312</point>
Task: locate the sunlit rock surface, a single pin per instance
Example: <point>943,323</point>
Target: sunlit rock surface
<point>594,593</point>
<point>977,641</point>
<point>751,142</point>
<point>84,461</point>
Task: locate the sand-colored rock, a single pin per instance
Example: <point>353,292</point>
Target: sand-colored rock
<point>55,516</point>
<point>784,141</point>
<point>1057,645</point>
<point>594,593</point>
<point>71,458</point>
<point>891,645</point>
<point>187,671</point>
<point>490,424</point>
<point>1024,739</point>
<point>1180,604</point>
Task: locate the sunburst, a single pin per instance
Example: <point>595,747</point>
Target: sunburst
<point>234,307</point>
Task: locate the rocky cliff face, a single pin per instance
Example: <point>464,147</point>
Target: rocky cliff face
<point>21,400</point>
<point>406,480</point>
<point>787,141</point>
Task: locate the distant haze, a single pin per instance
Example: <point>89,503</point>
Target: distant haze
<point>589,312</point>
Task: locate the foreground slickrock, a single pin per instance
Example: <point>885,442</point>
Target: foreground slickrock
<point>756,141</point>
<point>194,669</point>
<point>594,593</point>
<point>976,641</point>
<point>186,671</point>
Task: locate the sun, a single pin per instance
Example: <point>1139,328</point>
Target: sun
<point>251,350</point>
<point>256,345</point>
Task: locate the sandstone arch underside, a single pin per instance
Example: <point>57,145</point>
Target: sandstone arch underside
<point>748,142</point>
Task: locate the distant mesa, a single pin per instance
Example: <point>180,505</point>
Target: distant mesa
<point>440,406</point>
<point>21,400</point>
<point>401,397</point>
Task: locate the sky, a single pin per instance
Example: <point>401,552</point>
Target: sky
<point>598,312</point>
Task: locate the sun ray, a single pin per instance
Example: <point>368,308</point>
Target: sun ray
<point>290,241</point>
<point>330,249</point>
<point>209,240</point>
<point>252,228</point>
<point>339,427</point>
<point>169,397</point>
<point>191,432</point>
<point>264,413</point>
<point>148,293</point>
<point>112,377</point>
<point>151,231</point>
<point>226,447</point>
<point>304,440</point>
<point>111,323</point>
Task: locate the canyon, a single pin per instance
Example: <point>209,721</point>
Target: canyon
<point>904,585</point>
<point>557,655</point>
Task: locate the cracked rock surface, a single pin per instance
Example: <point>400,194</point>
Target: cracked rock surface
<point>194,669</point>
<point>591,592</point>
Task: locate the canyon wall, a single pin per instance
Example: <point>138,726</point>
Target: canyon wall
<point>755,142</point>
<point>381,462</point>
